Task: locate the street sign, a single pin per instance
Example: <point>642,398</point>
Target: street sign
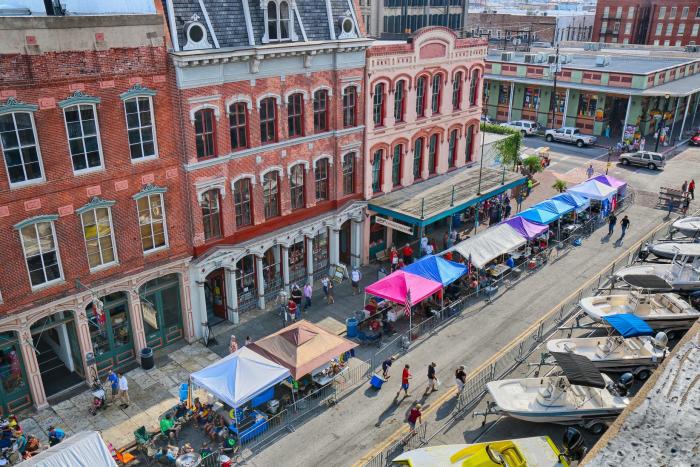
<point>407,229</point>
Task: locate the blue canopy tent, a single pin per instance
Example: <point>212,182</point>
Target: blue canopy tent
<point>579,202</point>
<point>629,325</point>
<point>437,269</point>
<point>538,216</point>
<point>557,207</point>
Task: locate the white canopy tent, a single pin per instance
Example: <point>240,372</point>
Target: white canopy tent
<point>84,449</point>
<point>239,377</point>
<point>490,244</point>
<point>593,189</point>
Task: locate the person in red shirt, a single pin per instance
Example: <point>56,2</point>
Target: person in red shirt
<point>415,416</point>
<point>393,259</point>
<point>407,253</point>
<point>405,376</point>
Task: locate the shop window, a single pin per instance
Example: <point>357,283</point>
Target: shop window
<point>418,158</point>
<point>560,102</point>
<point>295,115</point>
<point>457,91</point>
<point>238,125</point>
<point>396,165</point>
<point>531,99</point>
<point>297,262</point>
<point>587,104</point>
<point>321,176</point>
<point>211,215</point>
<point>377,171</point>
<point>242,196</point>
<point>272,272</point>
<point>204,124</point>
<point>245,279</point>
<point>349,173</point>
<point>271,198</point>
<point>14,391</point>
<point>110,330</point>
<point>320,251</point>
<point>161,310</point>
<point>296,186</point>
<point>504,94</point>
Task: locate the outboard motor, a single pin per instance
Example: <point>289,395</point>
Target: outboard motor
<point>624,384</point>
<point>574,450</point>
<point>643,252</point>
<point>660,340</point>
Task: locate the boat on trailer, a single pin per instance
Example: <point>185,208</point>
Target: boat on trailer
<point>680,275</point>
<point>669,250</point>
<point>688,226</point>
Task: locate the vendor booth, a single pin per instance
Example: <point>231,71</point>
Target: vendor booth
<point>396,286</point>
<point>609,180</point>
<point>437,269</point>
<point>528,230</point>
<point>84,449</point>
<point>490,244</point>
<point>579,203</point>
<point>593,189</point>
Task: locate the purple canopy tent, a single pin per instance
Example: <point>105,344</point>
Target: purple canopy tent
<point>525,228</point>
<point>612,181</point>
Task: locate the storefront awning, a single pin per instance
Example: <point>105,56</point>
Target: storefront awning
<point>423,203</point>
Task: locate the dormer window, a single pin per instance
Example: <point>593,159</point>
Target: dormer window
<point>279,22</point>
<point>196,35</point>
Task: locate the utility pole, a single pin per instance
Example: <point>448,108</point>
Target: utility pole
<point>553,101</point>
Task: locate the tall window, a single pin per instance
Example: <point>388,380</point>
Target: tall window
<point>469,147</point>
<point>437,93</point>
<point>378,105</point>
<point>396,165</point>
<point>18,142</point>
<point>151,212</point>
<point>349,105</point>
<point>432,154</point>
<point>399,100</point>
<point>97,230</point>
<point>238,125</point>
<point>587,104</point>
<point>320,111</point>
<point>296,186</point>
<point>349,173</point>
<point>473,87</point>
<point>420,96</point>
<point>295,115</point>
<point>452,156</point>
<point>83,137</point>
<point>418,158</point>
<point>503,94</point>
<point>321,176</point>
<point>377,171</point>
<point>41,253</point>
<point>140,127</point>
<point>204,132</point>
<point>211,214</point>
<point>457,91</point>
<point>268,120</point>
<point>278,21</point>
<point>271,198</point>
<point>242,202</point>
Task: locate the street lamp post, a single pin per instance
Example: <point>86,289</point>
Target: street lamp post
<point>553,100</point>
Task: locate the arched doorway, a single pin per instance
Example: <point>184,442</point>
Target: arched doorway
<point>162,310</point>
<point>297,262</point>
<point>215,296</point>
<point>272,272</point>
<point>246,287</point>
<point>58,352</point>
<point>14,390</point>
<point>345,243</point>
<point>110,332</point>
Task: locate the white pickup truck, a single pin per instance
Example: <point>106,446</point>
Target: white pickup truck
<point>570,135</point>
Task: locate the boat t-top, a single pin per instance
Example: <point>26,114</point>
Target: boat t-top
<point>688,226</point>
<point>631,349</point>
<point>680,275</point>
<point>661,311</point>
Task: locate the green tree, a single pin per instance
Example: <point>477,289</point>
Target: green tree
<point>508,148</point>
<point>533,164</point>
<point>559,185</point>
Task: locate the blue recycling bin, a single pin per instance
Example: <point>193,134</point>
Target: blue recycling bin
<point>183,391</point>
<point>351,324</point>
<point>376,381</point>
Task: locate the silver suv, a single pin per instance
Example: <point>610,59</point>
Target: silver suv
<point>525,127</point>
<point>652,160</point>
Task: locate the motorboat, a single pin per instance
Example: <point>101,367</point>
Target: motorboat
<point>677,276</point>
<point>688,226</point>
<point>581,395</point>
<point>661,311</point>
<point>631,349</point>
<point>537,450</point>
<point>669,250</point>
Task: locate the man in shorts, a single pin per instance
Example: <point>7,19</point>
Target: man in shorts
<point>405,377</point>
<point>113,381</point>
<point>415,416</point>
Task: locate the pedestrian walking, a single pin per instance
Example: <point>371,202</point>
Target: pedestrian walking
<point>324,283</point>
<point>296,295</point>
<point>331,298</point>
<point>292,310</point>
<point>405,378</point>
<point>123,391</point>
<point>232,345</point>
<point>612,220</point>
<point>691,189</point>
<point>113,381</point>
<point>432,379</point>
<point>519,202</point>
<point>308,293</point>
<point>355,277</point>
<point>684,187</point>
<point>624,223</point>
<point>590,171</point>
<point>530,184</point>
<point>394,258</point>
<point>460,378</point>
<point>670,206</point>
<point>415,416</point>
<point>386,364</point>
<point>407,253</point>
<point>642,143</point>
<point>686,205</point>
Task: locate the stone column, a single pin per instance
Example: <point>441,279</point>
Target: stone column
<point>355,243</point>
<point>199,312</point>
<point>84,342</point>
<point>334,247</point>
<point>186,303</point>
<point>284,262</point>
<point>260,281</point>
<point>231,295</point>
<point>136,317</point>
<point>309,260</point>
<point>31,368</point>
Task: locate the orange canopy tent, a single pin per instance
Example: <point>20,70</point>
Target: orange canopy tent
<point>301,347</point>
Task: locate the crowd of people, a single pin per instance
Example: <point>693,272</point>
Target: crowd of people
<point>16,445</point>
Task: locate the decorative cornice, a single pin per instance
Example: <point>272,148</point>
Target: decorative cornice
<point>95,203</point>
<point>77,98</point>
<point>149,189</point>
<point>36,220</point>
<point>137,91</point>
<point>13,105</point>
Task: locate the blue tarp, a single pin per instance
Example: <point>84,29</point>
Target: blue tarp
<point>437,269</point>
<point>539,216</point>
<point>629,325</point>
<point>577,201</point>
<point>553,205</point>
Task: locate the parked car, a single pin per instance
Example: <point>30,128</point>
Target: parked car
<point>652,160</point>
<point>486,119</point>
<point>568,134</point>
<point>526,127</point>
<point>695,139</point>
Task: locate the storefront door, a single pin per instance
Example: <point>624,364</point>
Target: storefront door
<point>216,295</point>
<point>14,390</point>
<point>110,332</point>
<point>345,243</point>
<point>162,311</point>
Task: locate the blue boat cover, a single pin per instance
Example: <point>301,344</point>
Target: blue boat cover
<point>575,200</point>
<point>437,268</point>
<point>629,325</point>
<point>539,216</point>
<point>555,206</point>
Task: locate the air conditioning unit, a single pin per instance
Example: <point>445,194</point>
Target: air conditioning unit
<point>530,58</point>
<point>552,59</point>
<point>602,60</point>
<point>506,56</point>
<point>541,58</point>
<point>568,58</point>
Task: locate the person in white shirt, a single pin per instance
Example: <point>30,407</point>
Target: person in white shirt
<point>123,391</point>
<point>355,277</point>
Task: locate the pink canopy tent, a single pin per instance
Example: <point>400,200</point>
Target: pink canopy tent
<point>396,286</point>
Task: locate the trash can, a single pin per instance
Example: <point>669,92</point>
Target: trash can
<point>184,389</point>
<point>147,358</point>
<point>351,324</point>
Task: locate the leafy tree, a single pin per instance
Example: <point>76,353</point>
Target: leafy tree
<point>559,185</point>
<point>533,164</point>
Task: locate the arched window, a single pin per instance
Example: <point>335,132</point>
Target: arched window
<point>473,87</point>
<point>238,125</point>
<point>268,120</point>
<point>204,133</point>
<point>418,158</point>
<point>321,175</point>
<point>469,148</point>
<point>377,171</point>
<point>320,111</point>
<point>242,196</point>
<point>452,155</point>
<point>432,154</point>
<point>378,105</point>
<point>420,96</point>
<point>272,21</point>
<point>271,198</point>
<point>349,106</point>
<point>396,164</point>
<point>278,21</point>
<point>349,173</point>
<point>400,100</point>
<point>211,214</point>
<point>296,186</point>
<point>437,93</point>
<point>284,21</point>
<point>457,91</point>
<point>295,115</point>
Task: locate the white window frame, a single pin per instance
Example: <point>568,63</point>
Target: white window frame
<point>166,245</point>
<point>681,29</point>
<point>662,12</point>
<point>694,31</point>
<point>672,13</point>
<point>630,13</point>
<point>684,12</point>
<point>111,234</point>
<point>669,29</point>
<point>140,127</point>
<point>56,249</point>
<point>659,29</point>
<point>97,134</point>
<point>33,181</point>
<point>628,28</point>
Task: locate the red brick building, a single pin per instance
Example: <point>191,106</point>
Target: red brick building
<point>668,23</point>
<point>270,99</point>
<point>93,228</point>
